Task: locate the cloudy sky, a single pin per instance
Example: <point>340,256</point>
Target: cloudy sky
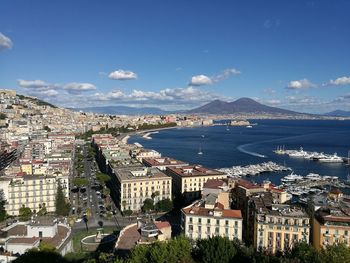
<point>178,54</point>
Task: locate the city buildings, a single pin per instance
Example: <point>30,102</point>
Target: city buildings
<point>133,185</point>
<point>189,180</point>
<point>211,216</point>
<point>277,227</point>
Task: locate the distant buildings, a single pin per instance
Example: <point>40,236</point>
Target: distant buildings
<point>211,216</point>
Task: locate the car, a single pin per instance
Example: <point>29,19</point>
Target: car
<point>98,192</point>
<point>78,220</point>
<point>85,198</point>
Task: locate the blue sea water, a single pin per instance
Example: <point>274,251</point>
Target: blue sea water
<point>242,146</point>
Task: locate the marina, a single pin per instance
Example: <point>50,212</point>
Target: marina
<point>315,156</point>
<point>254,169</point>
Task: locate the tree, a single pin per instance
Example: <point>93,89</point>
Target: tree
<point>25,213</point>
<point>35,256</point>
<point>80,182</point>
<point>102,177</point>
<point>215,250</point>
<point>3,116</point>
<point>164,205</point>
<point>3,214</point>
<point>44,246</point>
<point>62,206</point>
<point>147,205</point>
<point>127,212</point>
<point>304,252</point>
<point>154,195</point>
<point>124,204</point>
<point>339,253</point>
<point>42,210</point>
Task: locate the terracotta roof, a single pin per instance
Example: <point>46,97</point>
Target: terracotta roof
<point>247,184</point>
<point>162,224</point>
<point>163,161</point>
<point>214,183</point>
<point>23,240</point>
<point>201,211</point>
<point>335,191</point>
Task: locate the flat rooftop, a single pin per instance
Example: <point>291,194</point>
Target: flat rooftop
<point>163,161</point>
<point>139,173</point>
<point>194,170</point>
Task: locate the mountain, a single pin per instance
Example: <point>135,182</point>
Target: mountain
<point>123,110</point>
<point>243,105</point>
<point>338,113</point>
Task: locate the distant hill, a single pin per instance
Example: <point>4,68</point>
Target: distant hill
<point>338,113</point>
<point>123,110</point>
<point>243,105</point>
<point>36,101</point>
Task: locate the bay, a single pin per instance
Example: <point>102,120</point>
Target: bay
<point>224,146</point>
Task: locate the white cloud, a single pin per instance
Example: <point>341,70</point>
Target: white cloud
<point>226,74</point>
<point>76,87</point>
<point>301,84</point>
<point>176,98</point>
<point>200,80</point>
<point>122,75</point>
<point>49,93</point>
<point>340,81</point>
<point>38,85</point>
<point>5,42</point>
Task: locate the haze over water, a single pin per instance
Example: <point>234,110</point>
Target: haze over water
<point>240,145</point>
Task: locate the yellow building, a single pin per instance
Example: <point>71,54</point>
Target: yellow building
<point>189,180</point>
<point>131,186</point>
<point>208,217</point>
<point>330,226</point>
<point>27,168</point>
<point>277,227</point>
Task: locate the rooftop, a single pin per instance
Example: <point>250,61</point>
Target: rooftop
<point>164,161</point>
<point>139,173</point>
<point>194,170</point>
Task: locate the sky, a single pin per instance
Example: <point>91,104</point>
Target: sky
<point>178,54</point>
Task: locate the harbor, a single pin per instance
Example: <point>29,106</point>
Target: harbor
<point>254,169</point>
<point>315,156</point>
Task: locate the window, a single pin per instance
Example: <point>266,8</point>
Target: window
<point>217,221</point>
<point>236,223</point>
<point>236,231</point>
<point>216,230</point>
<point>208,221</point>
<point>226,222</point>
<point>190,219</point>
<point>40,234</point>
<point>199,220</point>
<point>345,232</point>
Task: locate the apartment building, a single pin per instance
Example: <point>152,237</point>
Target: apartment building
<point>131,186</point>
<point>331,226</point>
<point>32,191</point>
<point>189,180</point>
<point>277,227</point>
<point>211,216</point>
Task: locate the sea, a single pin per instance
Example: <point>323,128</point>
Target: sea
<point>226,146</point>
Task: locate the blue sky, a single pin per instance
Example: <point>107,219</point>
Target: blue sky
<point>178,54</point>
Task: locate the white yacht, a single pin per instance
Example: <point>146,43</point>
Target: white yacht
<point>331,159</point>
<point>313,176</point>
<point>291,178</point>
<point>298,154</point>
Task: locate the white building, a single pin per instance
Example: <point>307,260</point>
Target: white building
<point>211,216</point>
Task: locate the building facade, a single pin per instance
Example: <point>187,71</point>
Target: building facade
<point>208,217</point>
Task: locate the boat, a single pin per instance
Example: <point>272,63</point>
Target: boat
<point>331,159</point>
<point>298,154</point>
<point>249,126</point>
<point>200,150</point>
<point>313,176</point>
<point>291,178</point>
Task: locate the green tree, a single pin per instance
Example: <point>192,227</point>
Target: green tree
<point>62,206</point>
<point>3,214</point>
<point>159,253</point>
<point>102,177</point>
<point>3,116</point>
<point>127,212</point>
<point>35,256</point>
<point>339,253</point>
<point>154,195</point>
<point>140,254</point>
<point>44,246</point>
<point>164,205</point>
<point>304,252</point>
<point>42,210</point>
<point>80,182</point>
<point>179,249</point>
<point>215,250</point>
<point>47,128</point>
<point>25,213</point>
<point>147,205</point>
